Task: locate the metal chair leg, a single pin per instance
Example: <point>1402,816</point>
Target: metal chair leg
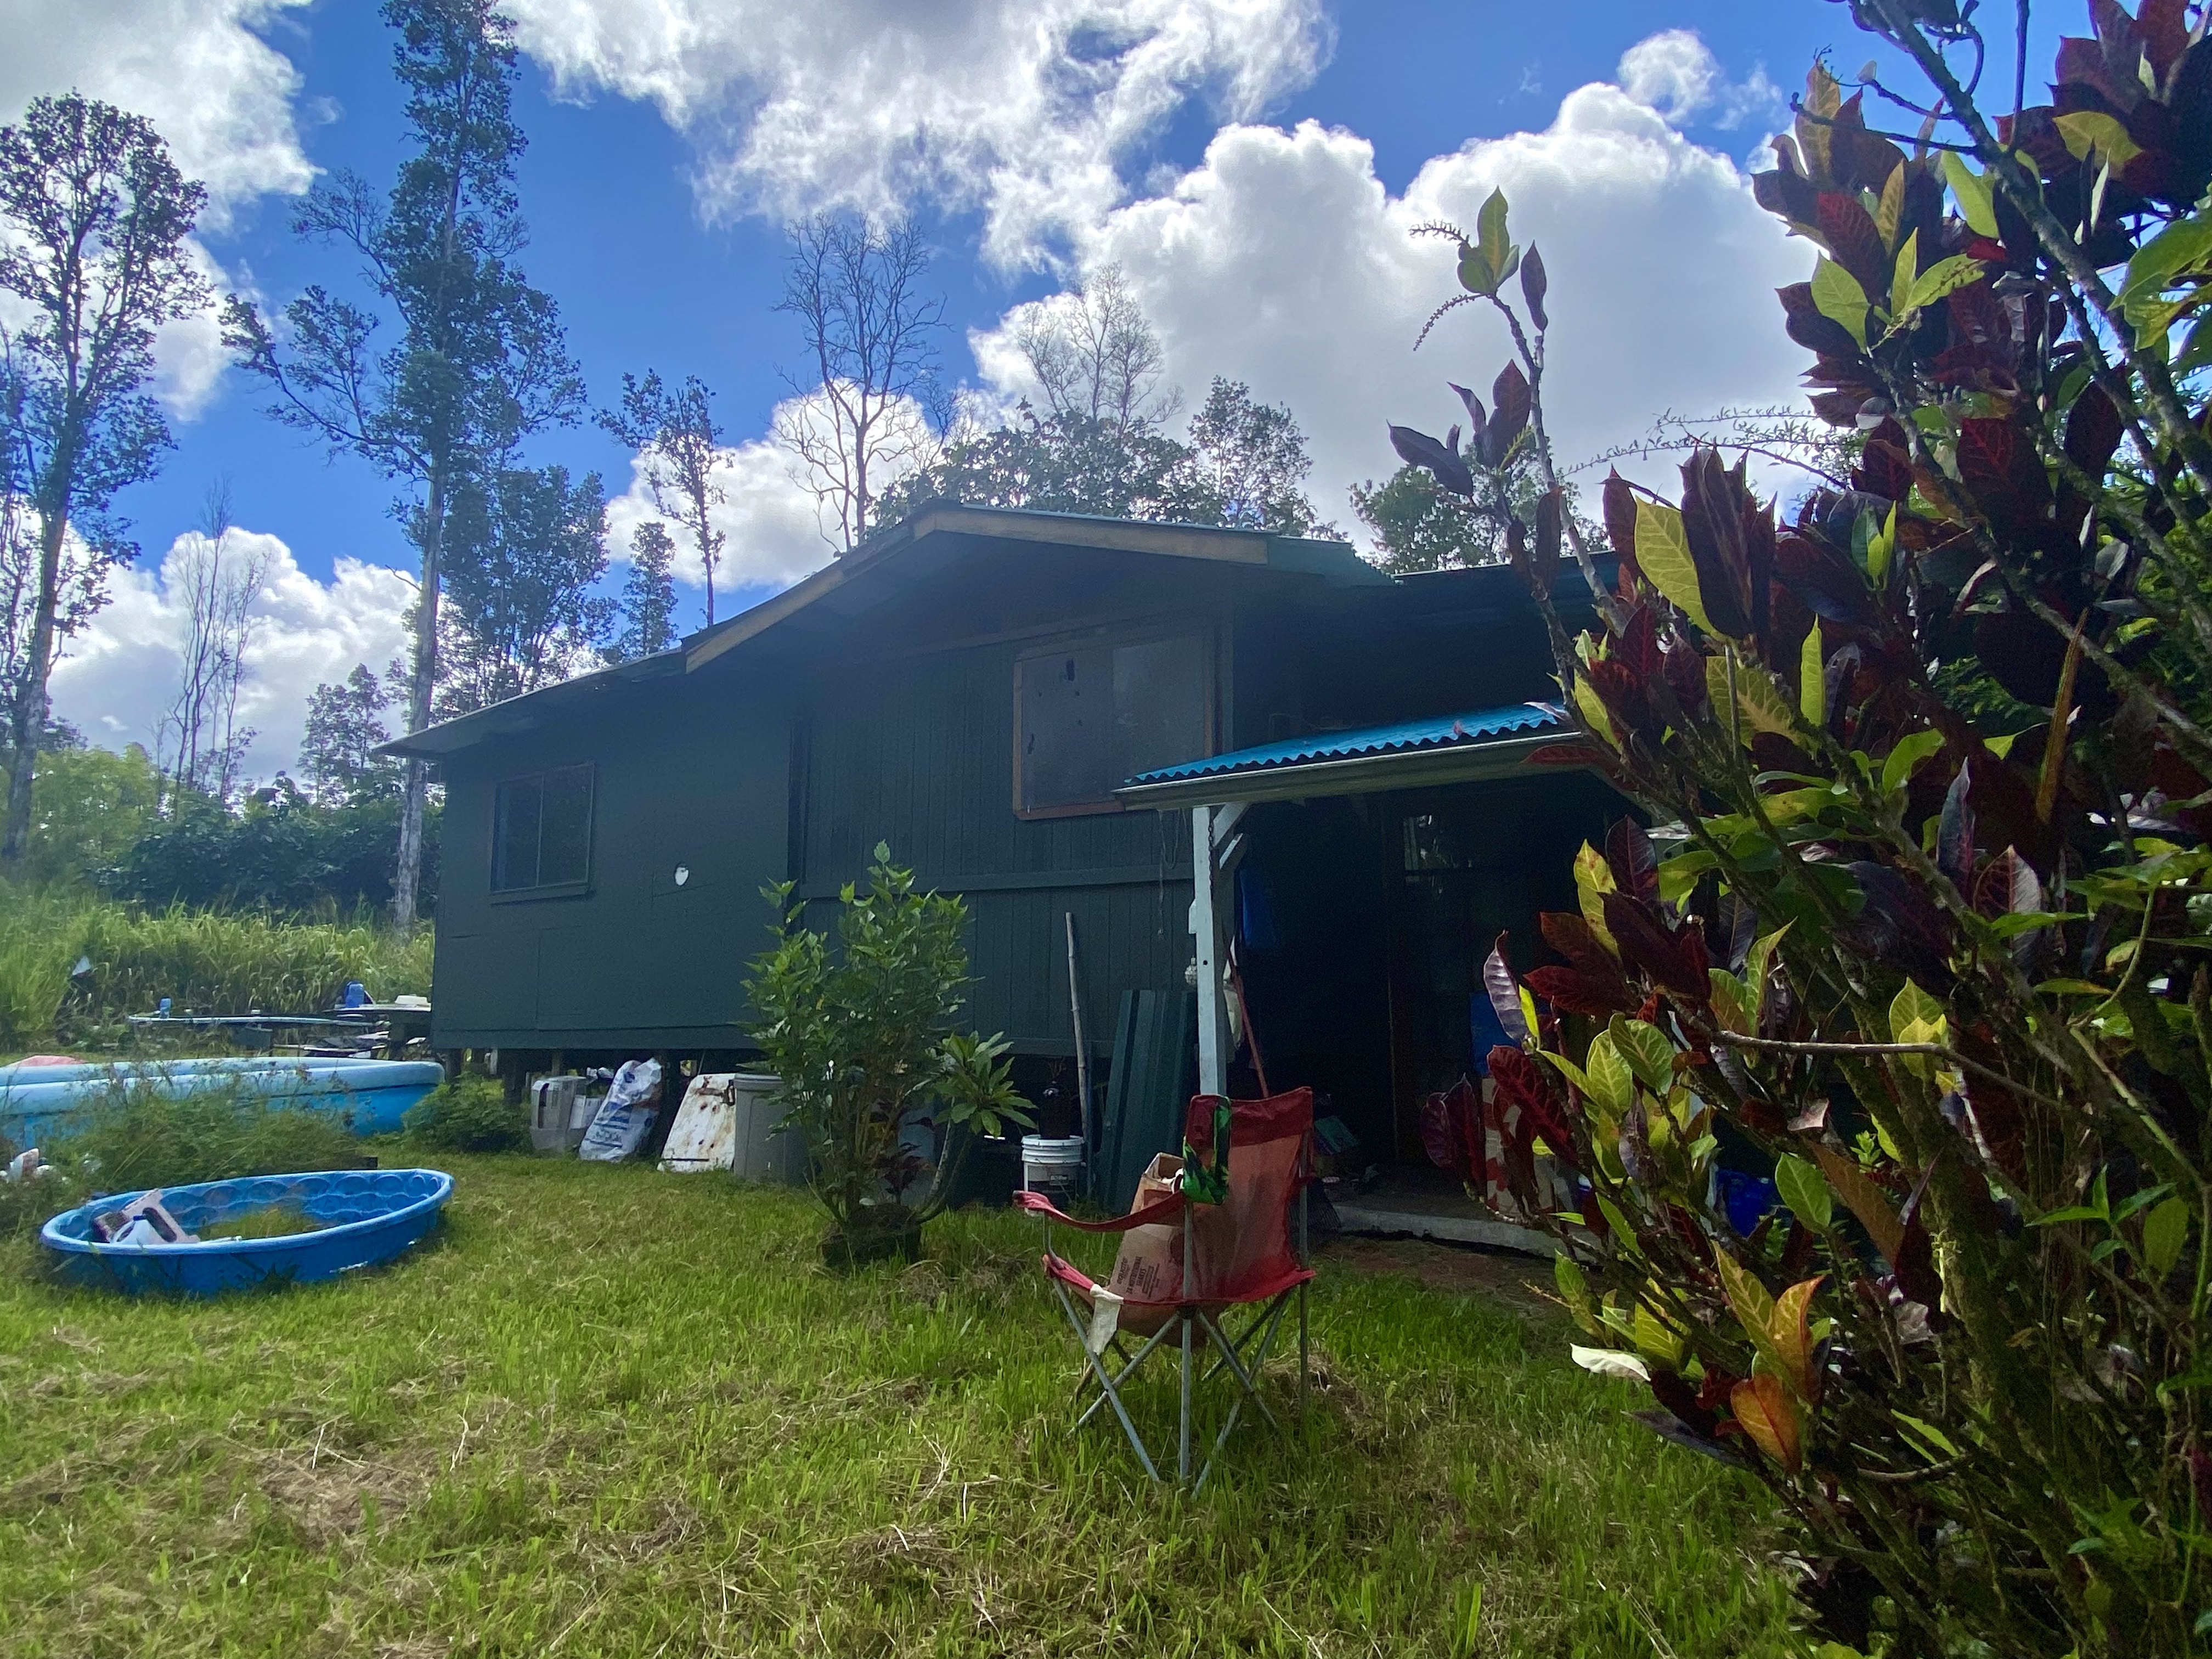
<point>1182,1455</point>
<point>1305,1365</point>
<point>1110,1393</point>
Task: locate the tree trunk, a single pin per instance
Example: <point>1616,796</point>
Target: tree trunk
<point>27,723</point>
<point>407,879</point>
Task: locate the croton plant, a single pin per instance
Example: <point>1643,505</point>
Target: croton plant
<point>1923,929</point>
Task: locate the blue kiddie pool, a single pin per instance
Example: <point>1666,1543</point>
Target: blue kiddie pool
<point>366,1216</point>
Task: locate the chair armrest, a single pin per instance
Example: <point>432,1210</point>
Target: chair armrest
<point>1167,1209</point>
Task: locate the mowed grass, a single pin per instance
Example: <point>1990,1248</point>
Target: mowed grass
<point>609,1412</point>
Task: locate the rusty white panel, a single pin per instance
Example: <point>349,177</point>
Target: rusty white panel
<point>705,1134</point>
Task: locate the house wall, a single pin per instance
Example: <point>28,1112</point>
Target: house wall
<point>919,753</point>
<point>878,726</point>
<point>638,961</point>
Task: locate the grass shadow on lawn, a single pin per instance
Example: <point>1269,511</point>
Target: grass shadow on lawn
<point>618,1413</point>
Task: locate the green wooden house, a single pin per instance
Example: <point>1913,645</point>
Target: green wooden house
<point>1051,716</point>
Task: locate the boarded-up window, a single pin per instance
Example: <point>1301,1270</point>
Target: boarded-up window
<point>1095,712</point>
<point>541,832</point>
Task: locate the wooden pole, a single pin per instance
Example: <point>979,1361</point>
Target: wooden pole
<point>1081,1049</point>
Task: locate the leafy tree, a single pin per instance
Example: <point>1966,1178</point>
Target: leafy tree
<point>648,596</point>
<point>1946,983</point>
<point>866,411</point>
<point>480,360</point>
<point>1250,460</point>
<point>1419,525</point>
<point>680,448</point>
<point>275,851</point>
<point>346,724</point>
<point>95,222</point>
<point>1242,468</point>
<point>93,806</point>
<point>1068,462</point>
<point>524,555</point>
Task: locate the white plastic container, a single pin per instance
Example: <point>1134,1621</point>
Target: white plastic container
<point>553,1124</point>
<point>1053,1166</point>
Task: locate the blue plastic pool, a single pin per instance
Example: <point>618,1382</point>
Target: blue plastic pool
<point>368,1216</point>
<point>44,1103</point>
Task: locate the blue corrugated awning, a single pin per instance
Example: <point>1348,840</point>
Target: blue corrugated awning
<point>1447,748</point>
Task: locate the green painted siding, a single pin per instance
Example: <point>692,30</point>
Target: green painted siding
<point>919,753</point>
<point>687,781</point>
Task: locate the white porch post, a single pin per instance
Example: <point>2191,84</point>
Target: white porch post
<point>1212,1013</point>
<point>1214,847</point>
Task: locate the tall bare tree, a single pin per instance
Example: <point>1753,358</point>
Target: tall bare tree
<point>97,221</point>
<point>1095,353</point>
<point>199,745</point>
<point>679,451</point>
<point>872,410</point>
<point>481,360</point>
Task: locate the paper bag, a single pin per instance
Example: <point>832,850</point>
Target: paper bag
<point>1149,1268</point>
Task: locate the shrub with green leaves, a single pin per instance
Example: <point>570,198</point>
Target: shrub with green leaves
<point>861,1030</point>
<point>1949,979</point>
<point>140,1137</point>
<point>469,1114</point>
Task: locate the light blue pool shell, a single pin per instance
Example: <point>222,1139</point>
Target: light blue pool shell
<point>371,1216</point>
<point>43,1104</point>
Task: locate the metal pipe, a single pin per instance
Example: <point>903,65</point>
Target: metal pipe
<point>1081,1049</point>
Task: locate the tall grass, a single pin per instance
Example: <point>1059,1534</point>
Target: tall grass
<point>210,962</point>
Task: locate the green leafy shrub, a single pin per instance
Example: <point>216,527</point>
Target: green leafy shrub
<point>469,1114</point>
<point>140,1139</point>
<point>149,1139</point>
<point>862,1033</point>
<point>1946,979</point>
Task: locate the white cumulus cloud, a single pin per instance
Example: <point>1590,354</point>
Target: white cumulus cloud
<point>218,92</point>
<point>1675,73</point>
<point>122,672</point>
<point>1026,109</point>
<point>1282,261</point>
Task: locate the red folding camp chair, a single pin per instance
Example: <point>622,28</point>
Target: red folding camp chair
<point>1245,1248</point>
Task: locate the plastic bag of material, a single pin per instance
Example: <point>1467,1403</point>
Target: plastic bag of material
<point>623,1121</point>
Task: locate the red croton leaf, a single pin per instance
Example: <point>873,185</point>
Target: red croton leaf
<point>1850,232</point>
<point>1712,517</point>
<point>1574,939</point>
<point>1572,993</point>
<point>1510,402</point>
<point>1675,961</point>
<point>1520,1081</point>
<point>1451,1131</point>
<point>1629,855</point>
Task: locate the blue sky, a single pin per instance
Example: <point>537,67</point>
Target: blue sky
<point>1264,248</point>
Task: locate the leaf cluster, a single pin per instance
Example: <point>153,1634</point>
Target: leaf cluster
<point>861,1029</point>
<point>1941,979</point>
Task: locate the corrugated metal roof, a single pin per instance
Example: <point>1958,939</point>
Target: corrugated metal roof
<point>1444,732</point>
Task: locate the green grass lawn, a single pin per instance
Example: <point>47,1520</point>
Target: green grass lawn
<point>611,1411</point>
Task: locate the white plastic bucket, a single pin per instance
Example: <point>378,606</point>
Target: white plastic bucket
<point>1053,1167</point>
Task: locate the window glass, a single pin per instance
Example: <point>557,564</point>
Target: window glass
<point>515,846</point>
<point>564,848</point>
<point>1159,705</point>
<point>542,830</point>
<point>1094,714</point>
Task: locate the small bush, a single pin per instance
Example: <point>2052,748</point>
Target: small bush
<point>144,1140</point>
<point>469,1114</point>
<point>156,1141</point>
